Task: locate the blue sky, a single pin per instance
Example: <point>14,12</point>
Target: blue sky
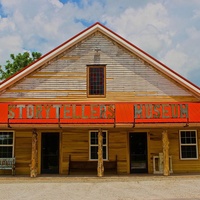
<point>168,31</point>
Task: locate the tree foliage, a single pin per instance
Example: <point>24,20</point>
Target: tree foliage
<point>18,62</point>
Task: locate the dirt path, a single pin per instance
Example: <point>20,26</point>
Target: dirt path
<point>107,188</point>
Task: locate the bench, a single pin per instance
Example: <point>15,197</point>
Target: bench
<point>7,164</point>
<point>91,166</point>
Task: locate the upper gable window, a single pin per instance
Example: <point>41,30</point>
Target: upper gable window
<point>96,81</point>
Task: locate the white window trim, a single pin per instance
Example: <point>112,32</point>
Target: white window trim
<point>97,144</point>
<point>7,145</point>
<point>196,144</point>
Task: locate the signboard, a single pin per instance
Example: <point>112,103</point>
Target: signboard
<point>98,113</point>
<point>161,111</point>
<point>61,111</point>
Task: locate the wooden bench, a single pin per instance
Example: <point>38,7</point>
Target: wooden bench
<point>7,164</point>
<point>91,166</point>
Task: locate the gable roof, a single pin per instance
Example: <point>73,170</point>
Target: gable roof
<point>109,33</point>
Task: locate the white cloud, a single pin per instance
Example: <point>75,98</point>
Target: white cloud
<point>10,44</point>
<point>6,25</point>
<point>169,32</point>
<point>162,31</point>
<point>146,27</point>
<point>40,26</point>
<point>176,60</point>
<point>56,3</point>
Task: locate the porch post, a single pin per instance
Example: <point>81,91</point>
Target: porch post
<point>165,142</point>
<point>34,155</point>
<point>100,167</point>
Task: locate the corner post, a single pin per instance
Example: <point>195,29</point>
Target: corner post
<point>34,154</point>
<point>100,167</point>
<point>165,142</point>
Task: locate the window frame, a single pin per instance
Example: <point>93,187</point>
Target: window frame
<point>88,81</point>
<point>189,144</point>
<point>8,145</point>
<point>104,145</point>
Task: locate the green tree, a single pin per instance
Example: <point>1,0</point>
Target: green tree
<point>18,62</point>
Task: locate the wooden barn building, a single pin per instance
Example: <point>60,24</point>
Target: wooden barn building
<point>98,103</point>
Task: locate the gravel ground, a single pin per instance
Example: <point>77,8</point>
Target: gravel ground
<point>132,187</point>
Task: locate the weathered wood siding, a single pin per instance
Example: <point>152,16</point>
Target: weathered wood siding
<point>22,152</point>
<point>118,146</point>
<point>75,142</point>
<point>154,146</point>
<point>183,166</point>
<point>128,78</point>
<point>179,166</point>
<point>23,141</point>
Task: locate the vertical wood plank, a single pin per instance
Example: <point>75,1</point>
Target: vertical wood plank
<point>128,153</point>
<point>165,142</point>
<point>34,158</point>
<point>100,167</point>
<point>60,151</point>
<point>148,152</point>
<point>39,149</point>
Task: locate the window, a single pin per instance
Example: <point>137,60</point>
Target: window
<point>96,81</point>
<point>94,145</point>
<point>6,144</point>
<point>188,144</point>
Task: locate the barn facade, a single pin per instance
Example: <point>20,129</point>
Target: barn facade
<point>98,103</point>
